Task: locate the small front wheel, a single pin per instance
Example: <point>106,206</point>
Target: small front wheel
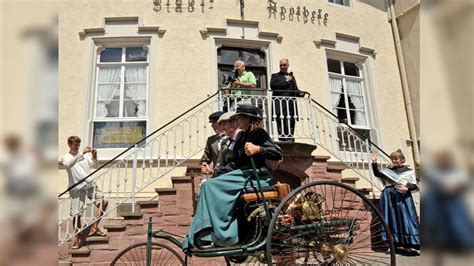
<point>161,254</point>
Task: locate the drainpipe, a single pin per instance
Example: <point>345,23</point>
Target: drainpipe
<point>405,88</point>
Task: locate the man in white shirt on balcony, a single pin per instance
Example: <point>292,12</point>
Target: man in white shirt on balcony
<point>78,167</point>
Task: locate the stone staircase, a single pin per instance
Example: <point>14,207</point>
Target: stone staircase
<point>172,211</point>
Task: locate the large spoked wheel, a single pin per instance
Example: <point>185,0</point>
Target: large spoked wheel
<point>161,254</point>
<point>328,223</point>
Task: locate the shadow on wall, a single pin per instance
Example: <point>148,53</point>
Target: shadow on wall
<point>379,4</point>
<point>407,23</point>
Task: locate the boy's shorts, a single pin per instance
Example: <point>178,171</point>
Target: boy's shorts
<point>78,198</point>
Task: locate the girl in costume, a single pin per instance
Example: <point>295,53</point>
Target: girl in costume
<point>398,208</point>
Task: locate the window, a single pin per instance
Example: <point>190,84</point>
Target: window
<point>254,61</point>
<point>121,97</point>
<point>340,2</point>
<point>346,86</point>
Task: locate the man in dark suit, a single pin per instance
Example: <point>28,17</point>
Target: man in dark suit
<point>283,85</point>
<point>211,151</point>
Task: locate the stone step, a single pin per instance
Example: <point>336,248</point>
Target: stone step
<point>351,181</point>
<point>165,191</point>
<point>132,215</point>
<point>97,242</point>
<point>97,239</point>
<point>64,262</point>
<point>126,208</point>
<point>182,182</point>
<point>80,255</point>
<point>181,179</point>
<point>336,167</point>
<point>147,204</point>
<point>320,159</point>
<point>83,251</point>
<point>196,169</point>
<point>167,200</point>
<point>114,227</point>
<point>365,191</point>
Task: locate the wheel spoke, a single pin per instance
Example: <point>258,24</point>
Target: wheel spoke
<point>160,255</point>
<point>316,228</point>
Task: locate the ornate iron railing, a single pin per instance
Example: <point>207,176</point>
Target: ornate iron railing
<point>290,118</point>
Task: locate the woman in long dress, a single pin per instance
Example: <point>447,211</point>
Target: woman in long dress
<point>214,223</point>
<point>398,208</point>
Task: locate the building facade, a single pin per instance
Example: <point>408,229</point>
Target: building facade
<point>129,67</point>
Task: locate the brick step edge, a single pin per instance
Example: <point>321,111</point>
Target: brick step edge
<point>132,215</point>
<point>165,191</point>
<point>147,204</point>
<point>365,191</point>
<point>97,239</point>
<point>114,227</point>
<point>350,179</point>
<point>181,179</point>
<point>83,251</point>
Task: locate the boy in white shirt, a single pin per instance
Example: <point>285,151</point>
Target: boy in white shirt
<point>78,167</point>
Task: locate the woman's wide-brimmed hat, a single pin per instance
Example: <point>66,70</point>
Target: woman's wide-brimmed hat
<point>248,110</point>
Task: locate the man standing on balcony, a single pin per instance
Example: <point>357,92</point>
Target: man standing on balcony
<point>284,87</point>
<point>78,167</point>
<point>240,79</point>
<point>213,143</point>
<point>246,79</point>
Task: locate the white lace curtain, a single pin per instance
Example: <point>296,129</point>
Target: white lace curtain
<point>136,78</point>
<point>354,88</point>
<point>108,87</point>
<point>336,91</point>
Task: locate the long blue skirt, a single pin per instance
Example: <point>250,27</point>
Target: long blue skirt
<point>214,219</point>
<point>398,210</point>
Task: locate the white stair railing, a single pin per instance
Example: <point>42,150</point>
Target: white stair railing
<point>183,138</point>
<point>311,121</point>
<point>347,145</point>
<point>138,168</point>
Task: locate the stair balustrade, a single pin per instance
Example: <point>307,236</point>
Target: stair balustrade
<point>184,138</point>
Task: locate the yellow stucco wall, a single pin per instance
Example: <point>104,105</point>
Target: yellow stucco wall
<point>184,66</point>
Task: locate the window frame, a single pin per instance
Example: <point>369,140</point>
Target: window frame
<point>347,3</point>
<point>122,64</point>
<point>359,62</point>
<point>344,78</point>
<point>263,69</point>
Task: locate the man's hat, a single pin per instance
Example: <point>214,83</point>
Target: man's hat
<point>248,110</point>
<point>215,116</point>
<point>226,117</point>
